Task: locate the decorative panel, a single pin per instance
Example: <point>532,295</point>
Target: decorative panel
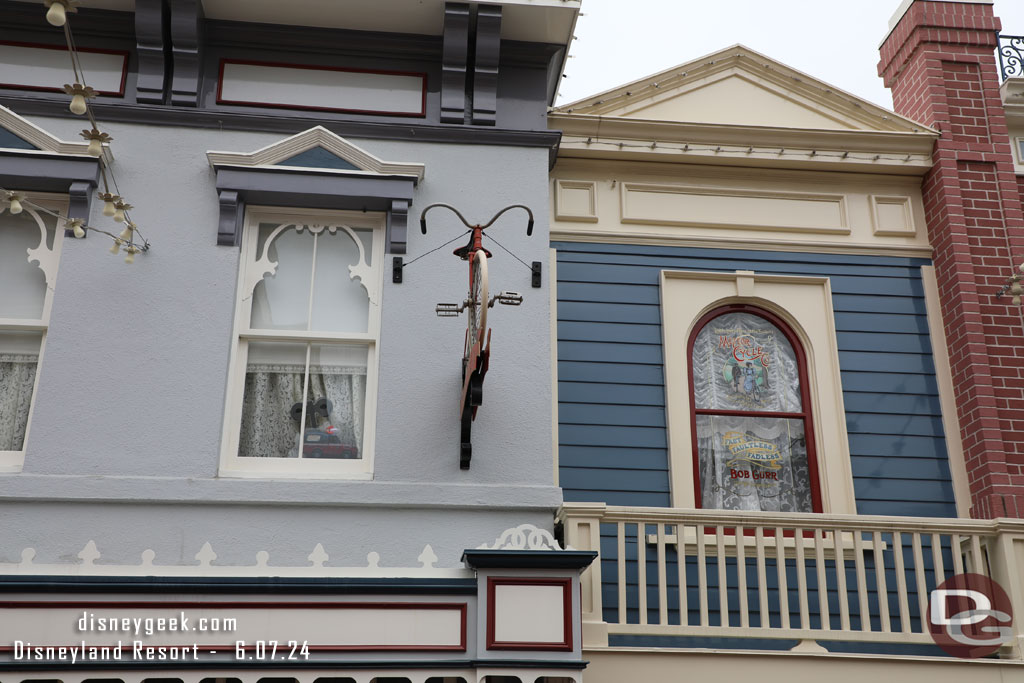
<point>27,66</point>
<point>891,216</point>
<point>760,210</point>
<point>320,88</point>
<point>576,200</point>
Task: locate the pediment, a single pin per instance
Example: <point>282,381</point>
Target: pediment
<point>317,148</point>
<point>18,133</point>
<point>738,86</point>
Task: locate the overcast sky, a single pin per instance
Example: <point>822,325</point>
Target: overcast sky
<point>834,40</point>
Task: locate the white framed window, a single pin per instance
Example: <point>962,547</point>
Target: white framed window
<point>30,244</point>
<point>802,306</point>
<point>303,382</point>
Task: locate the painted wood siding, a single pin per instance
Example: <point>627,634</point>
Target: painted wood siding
<point>612,436</point>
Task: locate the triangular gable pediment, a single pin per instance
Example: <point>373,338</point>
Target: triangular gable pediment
<point>738,86</point>
<point>317,148</point>
<point>21,134</point>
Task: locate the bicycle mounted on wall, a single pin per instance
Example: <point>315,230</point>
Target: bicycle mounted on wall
<point>477,350</point>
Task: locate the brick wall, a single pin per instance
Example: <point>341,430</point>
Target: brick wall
<point>939,62</point>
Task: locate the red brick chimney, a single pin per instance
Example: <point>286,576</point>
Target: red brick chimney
<point>939,62</point>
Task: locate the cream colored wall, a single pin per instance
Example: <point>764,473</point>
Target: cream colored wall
<point>600,200</point>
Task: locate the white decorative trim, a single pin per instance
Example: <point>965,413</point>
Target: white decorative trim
<point>561,211</point>
<point>523,537</point>
<point>907,230</point>
<point>273,154</point>
<point>317,567</point>
<point>34,135</point>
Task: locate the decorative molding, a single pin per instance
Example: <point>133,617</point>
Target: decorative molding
<point>232,212</point>
<point>891,216</point>
<point>733,200</point>
<point>398,226</point>
<point>485,65</point>
<point>561,616</point>
<point>90,554</point>
<point>113,86</point>
<point>453,62</point>
<point>151,86</point>
<point>187,51</point>
<point>523,537</point>
<point>36,136</point>
<point>282,150</point>
<point>566,210</point>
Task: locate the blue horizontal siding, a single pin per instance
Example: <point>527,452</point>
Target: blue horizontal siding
<point>611,378</point>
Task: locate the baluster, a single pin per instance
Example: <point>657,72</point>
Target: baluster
<point>762,578</point>
<point>702,575</point>
<point>641,569</point>
<point>662,578</point>
<point>780,569</point>
<point>862,587</point>
<point>883,592</point>
<point>684,616</point>
<point>741,575</point>
<point>919,577</point>
<point>801,578</point>
<point>940,570</point>
<point>622,571</point>
<point>844,604</point>
<point>958,560</point>
<point>723,595</point>
<point>977,559</point>
<point>901,581</point>
<point>819,562</point>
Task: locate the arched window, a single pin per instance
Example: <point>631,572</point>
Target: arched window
<point>753,436</point>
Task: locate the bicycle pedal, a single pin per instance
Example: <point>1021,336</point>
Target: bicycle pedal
<point>448,310</point>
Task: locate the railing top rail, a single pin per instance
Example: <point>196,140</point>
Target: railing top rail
<point>1011,56</point>
<point>830,522</point>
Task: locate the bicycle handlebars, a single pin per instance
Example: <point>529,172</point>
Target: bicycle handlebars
<point>529,225</point>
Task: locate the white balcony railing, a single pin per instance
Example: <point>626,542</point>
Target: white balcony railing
<point>809,578</point>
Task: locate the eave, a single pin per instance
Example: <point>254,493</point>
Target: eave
<point>631,139</point>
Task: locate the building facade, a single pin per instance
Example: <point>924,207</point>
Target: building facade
<point>787,387</point>
<point>259,419</point>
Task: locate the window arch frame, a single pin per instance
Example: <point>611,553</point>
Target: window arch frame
<point>806,414</point>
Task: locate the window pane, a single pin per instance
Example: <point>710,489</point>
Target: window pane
<point>19,355</point>
<point>340,303</point>
<point>274,379</point>
<point>336,402</point>
<point>22,283</point>
<point>743,362</point>
<point>753,463</point>
<point>281,300</point>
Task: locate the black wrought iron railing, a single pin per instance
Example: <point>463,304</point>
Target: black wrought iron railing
<point>1011,56</point>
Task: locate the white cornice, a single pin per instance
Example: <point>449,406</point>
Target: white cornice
<point>34,135</point>
<point>273,154</point>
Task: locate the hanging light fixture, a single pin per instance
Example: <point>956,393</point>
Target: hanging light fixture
<point>109,203</point>
<point>130,255</point>
<point>119,208</point>
<point>96,140</point>
<point>14,202</point>
<point>79,94</point>
<point>57,14</point>
<point>126,234</point>
<point>116,247</point>
<point>75,226</point>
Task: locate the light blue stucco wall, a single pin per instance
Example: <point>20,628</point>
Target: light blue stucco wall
<point>130,402</point>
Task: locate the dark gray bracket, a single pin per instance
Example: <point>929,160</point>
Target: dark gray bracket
<point>186,51</point>
<point>453,62</point>
<point>535,271</point>
<point>273,186</point>
<point>74,176</point>
<point>151,47</point>
<point>485,65</point>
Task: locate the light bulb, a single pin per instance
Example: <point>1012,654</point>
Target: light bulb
<point>119,215</point>
<point>95,147</point>
<point>108,208</point>
<point>56,15</point>
<point>15,204</point>
<point>79,231</point>
<point>130,258</point>
<point>126,234</point>
<point>77,104</point>
<point>116,248</point>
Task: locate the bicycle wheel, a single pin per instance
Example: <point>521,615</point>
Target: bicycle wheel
<point>478,294</point>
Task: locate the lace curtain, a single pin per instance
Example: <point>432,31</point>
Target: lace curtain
<point>269,429</point>
<point>17,378</point>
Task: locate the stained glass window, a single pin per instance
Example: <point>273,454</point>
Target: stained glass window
<point>753,437</point>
